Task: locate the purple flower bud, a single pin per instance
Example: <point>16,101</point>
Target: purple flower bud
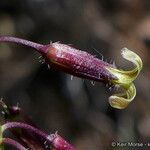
<point>78,63</point>
<point>59,143</point>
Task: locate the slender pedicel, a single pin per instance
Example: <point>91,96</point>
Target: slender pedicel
<point>12,143</point>
<point>84,65</point>
<point>24,42</point>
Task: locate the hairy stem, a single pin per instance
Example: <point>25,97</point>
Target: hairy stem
<point>38,47</point>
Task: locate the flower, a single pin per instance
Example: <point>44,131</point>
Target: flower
<point>83,64</point>
<point>125,80</point>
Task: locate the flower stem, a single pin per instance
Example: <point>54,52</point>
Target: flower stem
<point>13,143</point>
<point>53,139</point>
<point>38,47</point>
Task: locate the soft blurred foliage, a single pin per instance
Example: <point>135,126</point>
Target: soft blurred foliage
<point>77,109</point>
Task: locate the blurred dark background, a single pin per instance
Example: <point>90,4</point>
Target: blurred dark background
<point>77,109</point>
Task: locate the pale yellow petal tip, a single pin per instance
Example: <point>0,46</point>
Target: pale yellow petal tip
<point>126,77</point>
<point>121,101</point>
<point>124,80</point>
<point>132,57</point>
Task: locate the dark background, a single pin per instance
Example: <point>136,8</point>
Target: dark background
<point>78,110</point>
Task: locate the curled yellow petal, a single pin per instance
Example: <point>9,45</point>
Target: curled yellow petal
<point>125,79</point>
<point>121,100</point>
